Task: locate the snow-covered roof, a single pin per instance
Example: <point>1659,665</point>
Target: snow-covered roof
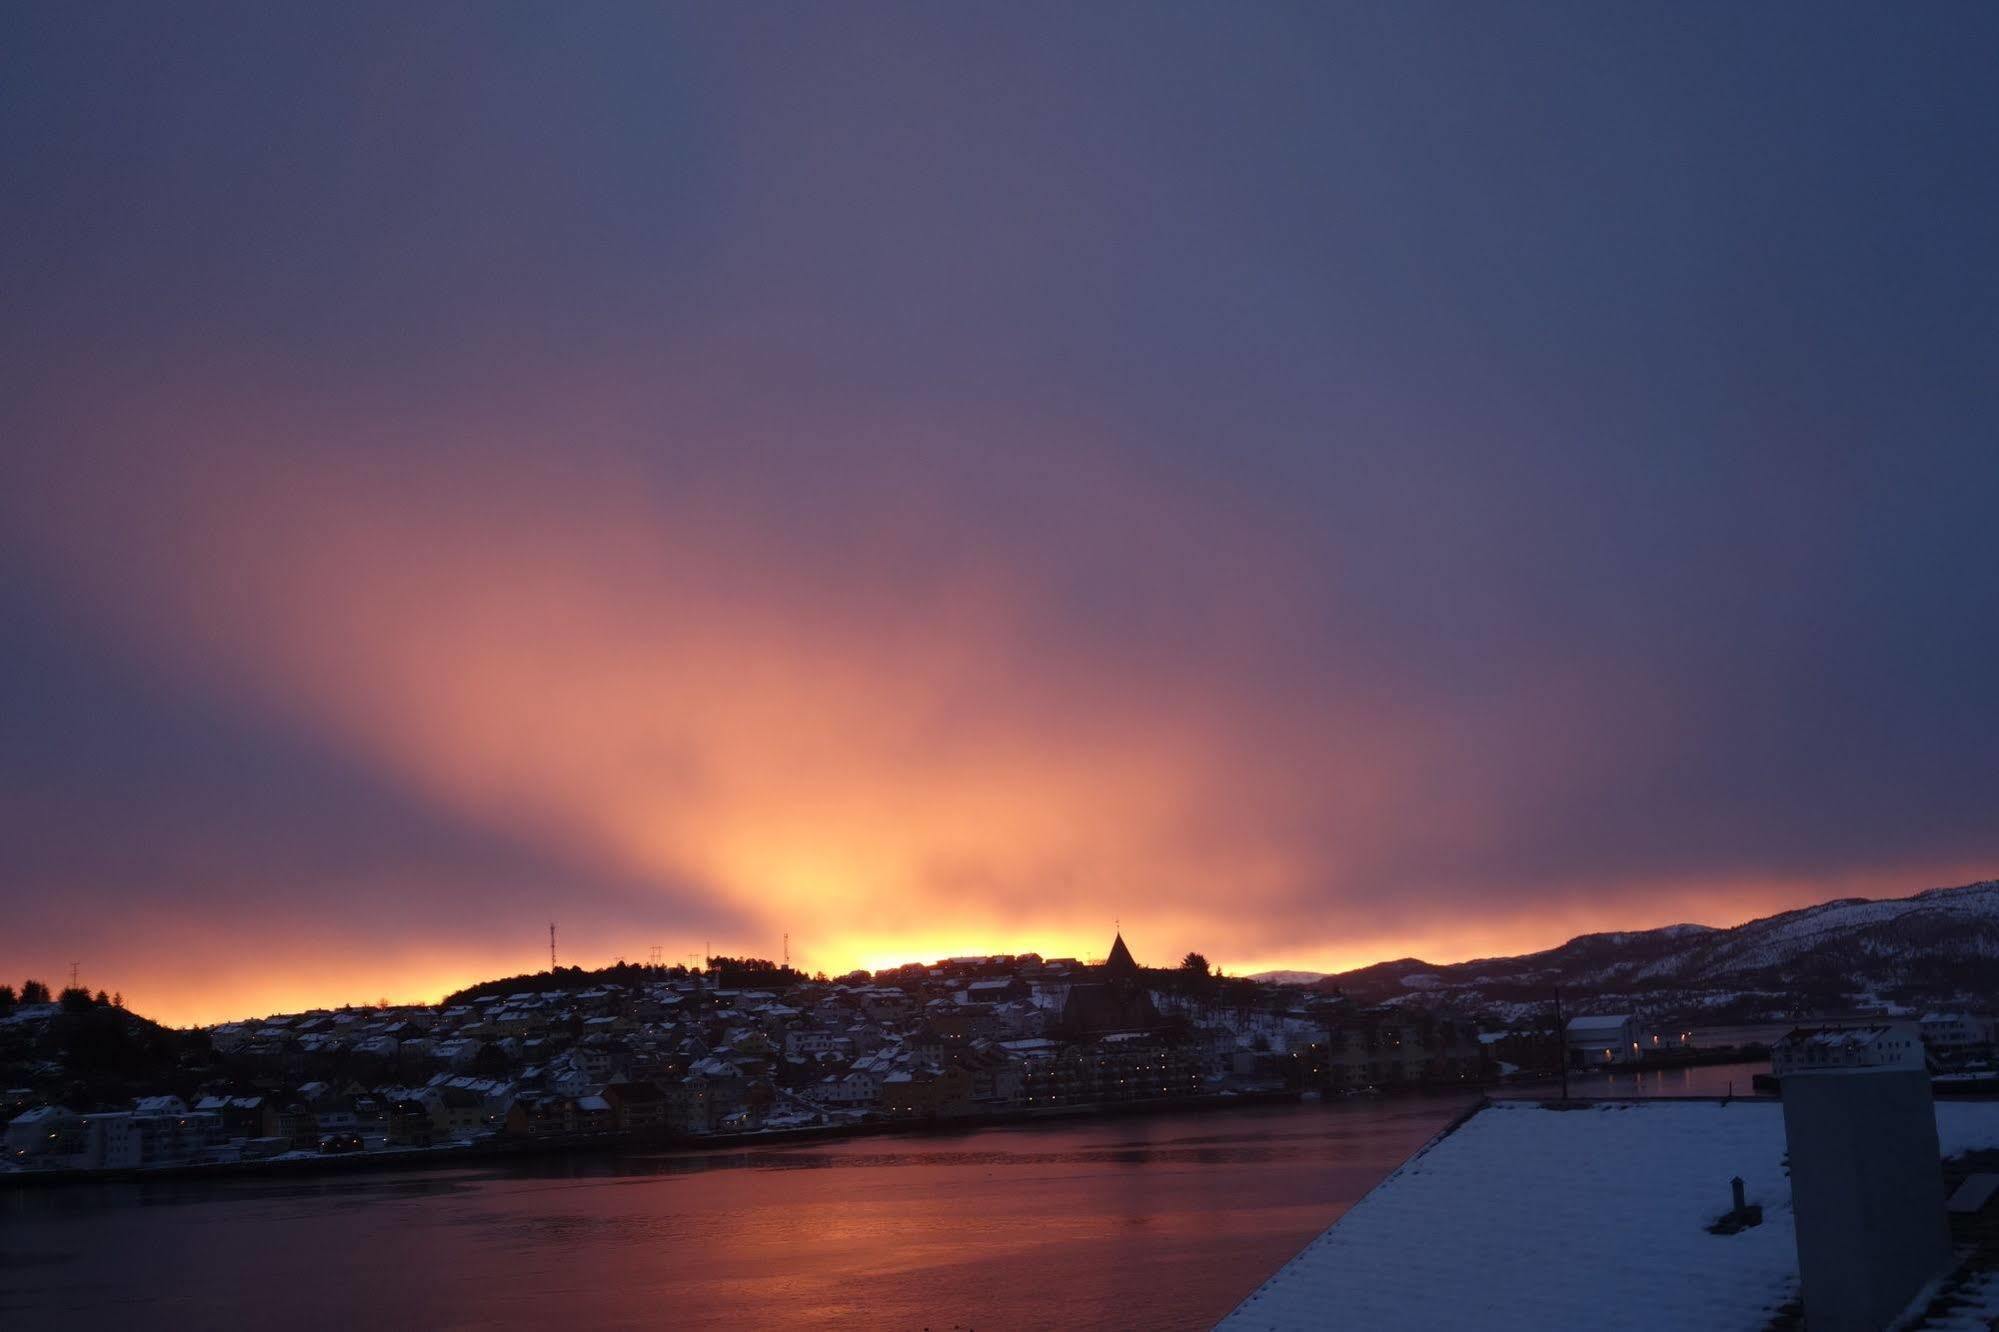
<point>1608,1023</point>
<point>1530,1217</point>
<point>1837,1038</point>
<point>43,1113</point>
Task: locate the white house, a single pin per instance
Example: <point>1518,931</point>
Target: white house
<point>45,1135</point>
<point>1951,1033</point>
<point>1883,1045</point>
<point>1595,1041</point>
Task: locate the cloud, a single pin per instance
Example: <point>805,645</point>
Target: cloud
<point>928,483</point>
<point>869,724</point>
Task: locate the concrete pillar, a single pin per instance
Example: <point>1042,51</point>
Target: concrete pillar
<point>1867,1190</point>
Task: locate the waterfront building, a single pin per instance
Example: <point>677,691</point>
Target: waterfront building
<point>1956,1036</point>
<point>927,1093</point>
<point>1881,1045</point>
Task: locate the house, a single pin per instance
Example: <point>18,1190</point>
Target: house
<point>1882,1045</point>
<point>590,1114</point>
<point>1386,1048</point>
<point>923,1093</point>
<point>111,1142</point>
<point>46,1135</point>
<point>410,1123</point>
<point>337,1114</point>
<point>536,1117</point>
<point>689,1106</point>
<point>805,1041</point>
<point>998,991</point>
<point>997,1076</point>
<point>925,1044</point>
<point>242,1116</point>
<point>455,1112</point>
<point>1956,1034</point>
<point>637,1107</point>
<point>1597,1041</point>
<point>298,1124</point>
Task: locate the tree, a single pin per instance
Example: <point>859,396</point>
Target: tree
<point>34,992</point>
<point>75,999</point>
<point>1194,977</point>
<point>6,998</point>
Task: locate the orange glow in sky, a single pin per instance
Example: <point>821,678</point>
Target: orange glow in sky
<point>921,480</point>
<point>770,731</point>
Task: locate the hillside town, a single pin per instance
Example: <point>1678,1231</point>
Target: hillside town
<point>656,1056</point>
<point>664,1055</point>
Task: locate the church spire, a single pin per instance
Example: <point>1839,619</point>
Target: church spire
<point>1120,962</point>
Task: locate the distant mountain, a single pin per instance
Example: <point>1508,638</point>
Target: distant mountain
<point>1288,977</point>
<point>1940,947</point>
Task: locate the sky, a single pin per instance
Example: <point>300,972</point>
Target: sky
<point>1310,483</point>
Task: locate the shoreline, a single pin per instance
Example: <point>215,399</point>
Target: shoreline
<point>504,1149</point>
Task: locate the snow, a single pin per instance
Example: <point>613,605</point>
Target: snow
<point>1528,1217</point>
<point>1979,1307</point>
<point>1967,1126</point>
<point>1887,942</point>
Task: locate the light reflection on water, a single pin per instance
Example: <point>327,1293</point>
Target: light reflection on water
<point>1696,1080</point>
<point>1163,1222</point>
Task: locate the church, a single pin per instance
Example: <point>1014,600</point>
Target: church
<point>1114,1000</point>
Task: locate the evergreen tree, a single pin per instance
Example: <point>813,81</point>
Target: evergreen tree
<point>34,992</point>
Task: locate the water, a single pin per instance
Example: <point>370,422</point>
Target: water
<point>1162,1222</point>
<point>1695,1080</point>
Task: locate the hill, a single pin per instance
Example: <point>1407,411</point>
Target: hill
<point>96,1054</point>
<point>1937,948</point>
<point>731,972</point>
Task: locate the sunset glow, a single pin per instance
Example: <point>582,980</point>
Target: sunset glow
<point>751,510</point>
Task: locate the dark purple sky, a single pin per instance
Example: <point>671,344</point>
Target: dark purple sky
<point>1314,481</point>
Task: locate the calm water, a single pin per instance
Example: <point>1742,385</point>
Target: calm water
<point>1701,1080</point>
<point>1155,1223</point>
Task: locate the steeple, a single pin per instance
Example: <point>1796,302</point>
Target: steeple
<point>1120,962</point>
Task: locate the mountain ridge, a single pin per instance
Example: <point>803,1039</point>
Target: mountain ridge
<point>1937,946</point>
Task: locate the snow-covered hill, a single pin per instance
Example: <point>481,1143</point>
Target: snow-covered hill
<point>1937,947</point>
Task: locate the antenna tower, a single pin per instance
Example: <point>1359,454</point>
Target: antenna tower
<point>787,950</point>
<point>551,945</point>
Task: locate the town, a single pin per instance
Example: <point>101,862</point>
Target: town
<point>663,1054</point>
<point>652,1055</point>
